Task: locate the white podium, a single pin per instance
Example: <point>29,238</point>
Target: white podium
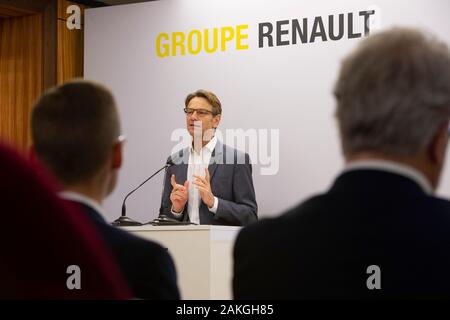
<point>202,256</point>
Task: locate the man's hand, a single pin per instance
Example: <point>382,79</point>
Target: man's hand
<point>204,187</point>
<point>179,195</point>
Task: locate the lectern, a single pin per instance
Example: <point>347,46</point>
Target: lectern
<point>202,256</point>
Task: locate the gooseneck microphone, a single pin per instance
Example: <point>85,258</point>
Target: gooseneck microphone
<point>123,220</point>
<point>163,219</point>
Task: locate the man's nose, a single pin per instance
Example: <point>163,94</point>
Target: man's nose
<point>194,116</point>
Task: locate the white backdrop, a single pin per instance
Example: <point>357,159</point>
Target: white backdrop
<point>288,88</point>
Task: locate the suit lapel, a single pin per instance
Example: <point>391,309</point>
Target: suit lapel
<point>181,169</point>
<point>180,172</point>
<point>216,158</point>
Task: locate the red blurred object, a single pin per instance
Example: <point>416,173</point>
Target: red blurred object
<point>41,237</point>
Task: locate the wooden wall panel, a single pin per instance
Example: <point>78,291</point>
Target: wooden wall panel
<point>62,8</point>
<point>69,53</point>
<point>21,76</point>
<point>8,12</point>
<point>37,51</point>
<point>70,46</point>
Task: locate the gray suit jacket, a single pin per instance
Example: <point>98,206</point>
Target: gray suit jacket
<point>231,180</point>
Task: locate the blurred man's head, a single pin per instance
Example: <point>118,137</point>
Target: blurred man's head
<point>393,100</point>
<point>76,135</point>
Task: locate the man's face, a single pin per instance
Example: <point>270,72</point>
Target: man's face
<point>202,120</point>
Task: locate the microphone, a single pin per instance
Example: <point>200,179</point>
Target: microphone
<point>163,219</point>
<point>161,214</point>
<point>123,220</point>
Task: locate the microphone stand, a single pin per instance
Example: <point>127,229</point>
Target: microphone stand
<point>161,208</point>
<point>163,219</point>
<point>123,220</point>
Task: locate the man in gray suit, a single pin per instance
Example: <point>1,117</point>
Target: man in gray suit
<point>209,183</point>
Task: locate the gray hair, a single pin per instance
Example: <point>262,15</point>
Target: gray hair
<point>393,93</point>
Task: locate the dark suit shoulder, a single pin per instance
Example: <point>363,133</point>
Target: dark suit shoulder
<point>234,156</point>
<point>146,265</point>
<point>124,239</point>
<point>268,232</point>
<point>441,205</point>
<point>309,207</point>
<point>179,157</point>
<point>322,247</point>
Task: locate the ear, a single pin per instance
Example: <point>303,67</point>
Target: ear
<point>216,121</point>
<point>117,156</point>
<point>438,146</point>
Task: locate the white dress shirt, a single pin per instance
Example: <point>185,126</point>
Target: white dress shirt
<point>394,167</point>
<point>197,164</point>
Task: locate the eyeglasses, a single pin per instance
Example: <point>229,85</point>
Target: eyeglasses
<point>200,112</point>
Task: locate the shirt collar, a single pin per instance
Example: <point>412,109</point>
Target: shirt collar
<point>78,197</point>
<point>209,146</point>
<point>393,167</point>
